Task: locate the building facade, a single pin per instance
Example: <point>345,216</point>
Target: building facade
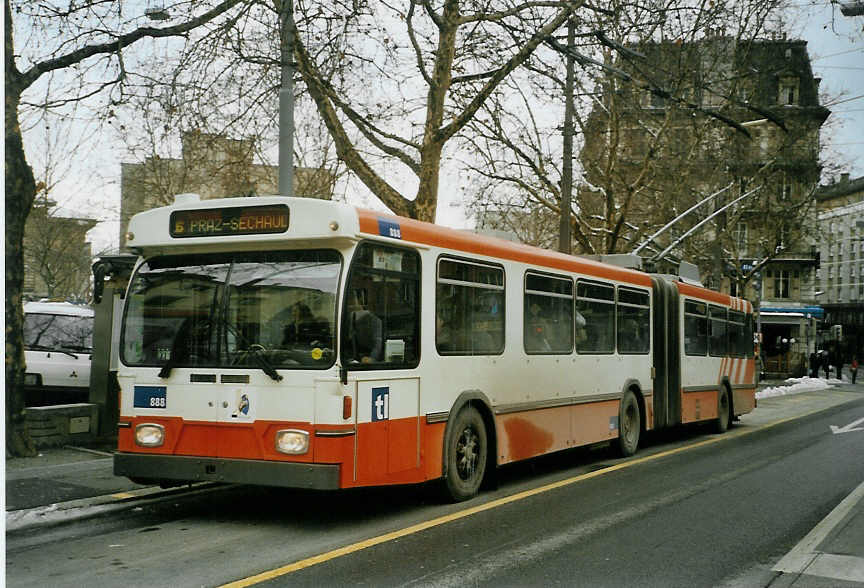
<point>840,278</point>
<point>57,253</point>
<point>740,119</point>
<point>212,166</point>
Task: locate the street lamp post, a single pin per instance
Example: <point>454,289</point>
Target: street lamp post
<point>564,232</point>
<point>286,99</point>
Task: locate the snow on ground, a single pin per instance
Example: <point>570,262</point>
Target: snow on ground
<point>798,385</point>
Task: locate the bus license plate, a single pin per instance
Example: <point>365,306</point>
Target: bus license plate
<point>150,397</point>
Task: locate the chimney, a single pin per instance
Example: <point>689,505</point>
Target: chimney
<point>844,178</point>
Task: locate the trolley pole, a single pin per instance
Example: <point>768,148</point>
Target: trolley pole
<point>564,233</point>
<point>286,99</point>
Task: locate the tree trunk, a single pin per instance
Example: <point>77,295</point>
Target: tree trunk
<point>20,193</point>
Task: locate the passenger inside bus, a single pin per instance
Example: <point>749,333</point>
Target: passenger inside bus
<point>365,333</point>
<point>536,330</point>
<point>299,332</point>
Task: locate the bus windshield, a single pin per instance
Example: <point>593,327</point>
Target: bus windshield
<point>272,309</point>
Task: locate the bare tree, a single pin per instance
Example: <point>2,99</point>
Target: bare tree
<point>56,251</point>
<point>418,75</point>
<point>67,53</point>
<point>659,107</point>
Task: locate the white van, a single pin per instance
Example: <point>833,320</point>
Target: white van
<point>58,342</point>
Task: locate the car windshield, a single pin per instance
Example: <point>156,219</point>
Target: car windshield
<point>252,309</point>
<point>58,331</point>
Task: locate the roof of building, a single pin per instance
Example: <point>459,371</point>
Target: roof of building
<point>842,188</point>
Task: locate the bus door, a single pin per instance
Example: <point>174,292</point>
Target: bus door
<point>380,349</point>
<point>667,360</point>
<point>388,427</point>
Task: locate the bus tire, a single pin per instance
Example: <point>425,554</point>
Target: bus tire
<point>467,448</point>
<point>629,424</point>
<point>724,411</point>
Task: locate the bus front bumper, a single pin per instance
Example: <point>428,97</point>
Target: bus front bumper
<point>181,468</point>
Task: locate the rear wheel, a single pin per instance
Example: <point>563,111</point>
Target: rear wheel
<point>629,424</point>
<point>724,411</point>
<point>467,449</point>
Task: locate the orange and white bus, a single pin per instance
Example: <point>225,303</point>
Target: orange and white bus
<point>304,343</point>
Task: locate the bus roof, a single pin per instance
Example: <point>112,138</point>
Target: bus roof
<point>311,220</point>
<point>414,231</point>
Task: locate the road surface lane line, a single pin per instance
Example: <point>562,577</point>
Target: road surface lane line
<point>498,502</point>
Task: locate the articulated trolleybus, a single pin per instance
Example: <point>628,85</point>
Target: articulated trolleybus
<point>304,343</point>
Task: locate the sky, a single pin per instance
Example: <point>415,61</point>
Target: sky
<point>835,44</point>
<point>836,47</point>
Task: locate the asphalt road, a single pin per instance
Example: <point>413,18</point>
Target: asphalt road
<point>689,510</point>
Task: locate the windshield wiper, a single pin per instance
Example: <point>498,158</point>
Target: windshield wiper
<point>256,349</point>
<point>252,348</point>
<point>47,348</point>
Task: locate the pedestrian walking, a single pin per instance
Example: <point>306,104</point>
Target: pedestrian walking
<point>826,364</point>
<point>814,365</point>
<point>838,362</point>
<point>853,368</point>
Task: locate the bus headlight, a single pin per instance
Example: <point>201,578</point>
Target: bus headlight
<point>149,435</point>
<point>292,441</point>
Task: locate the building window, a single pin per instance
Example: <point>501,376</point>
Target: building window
<point>740,236</point>
<point>781,284</point>
<point>788,91</point>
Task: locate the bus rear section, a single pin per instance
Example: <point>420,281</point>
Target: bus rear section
<point>703,355</point>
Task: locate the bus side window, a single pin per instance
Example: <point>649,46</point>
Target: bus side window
<point>717,341</point>
<point>469,308</point>
<point>634,321</point>
<point>695,328</point>
<point>548,314</point>
<point>595,303</point>
<point>736,334</point>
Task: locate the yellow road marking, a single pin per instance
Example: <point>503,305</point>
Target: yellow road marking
<point>123,495</point>
<point>413,529</point>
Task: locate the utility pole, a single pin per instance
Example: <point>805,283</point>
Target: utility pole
<point>286,99</point>
<point>564,233</point>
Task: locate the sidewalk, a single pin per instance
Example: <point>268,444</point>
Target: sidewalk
<point>61,474</point>
<point>69,483</point>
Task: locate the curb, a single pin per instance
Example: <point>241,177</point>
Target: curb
<point>73,511</point>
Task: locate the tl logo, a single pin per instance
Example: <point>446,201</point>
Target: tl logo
<point>380,403</point>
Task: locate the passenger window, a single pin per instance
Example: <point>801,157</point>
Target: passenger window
<point>717,342</point>
<point>469,308</point>
<point>381,312</point>
<point>749,343</point>
<point>595,315</point>
<point>634,321</point>
<point>548,314</point>
<point>695,328</point>
<point>737,343</point>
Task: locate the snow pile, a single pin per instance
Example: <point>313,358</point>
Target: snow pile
<point>798,385</point>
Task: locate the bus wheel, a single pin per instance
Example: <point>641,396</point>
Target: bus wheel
<point>724,413</point>
<point>629,424</point>
<point>466,455</point>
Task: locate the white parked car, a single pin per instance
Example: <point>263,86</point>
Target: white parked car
<point>58,342</point>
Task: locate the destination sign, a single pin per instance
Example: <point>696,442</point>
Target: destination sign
<point>242,220</point>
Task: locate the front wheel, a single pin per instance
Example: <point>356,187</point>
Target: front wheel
<point>629,424</point>
<point>466,451</point>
